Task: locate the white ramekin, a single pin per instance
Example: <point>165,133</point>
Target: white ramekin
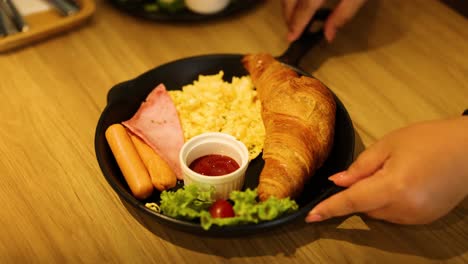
<point>215,143</point>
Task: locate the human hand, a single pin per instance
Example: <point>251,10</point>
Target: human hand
<point>413,175</point>
<point>298,13</point>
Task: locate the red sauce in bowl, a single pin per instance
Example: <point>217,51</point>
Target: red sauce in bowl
<point>214,165</point>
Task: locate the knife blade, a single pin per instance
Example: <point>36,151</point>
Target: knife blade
<point>8,28</point>
<point>3,29</point>
<point>16,17</point>
<point>64,7</point>
<point>74,3</point>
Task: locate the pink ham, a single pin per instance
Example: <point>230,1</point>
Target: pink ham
<point>157,123</point>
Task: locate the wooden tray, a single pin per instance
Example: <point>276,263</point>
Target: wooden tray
<point>46,24</point>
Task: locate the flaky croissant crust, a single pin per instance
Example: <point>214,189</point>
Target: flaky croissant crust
<point>298,113</point>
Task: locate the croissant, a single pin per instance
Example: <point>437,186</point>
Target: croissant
<point>298,113</point>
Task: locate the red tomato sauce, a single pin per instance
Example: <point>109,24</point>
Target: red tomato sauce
<point>214,165</point>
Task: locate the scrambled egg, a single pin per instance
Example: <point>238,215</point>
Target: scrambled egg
<point>211,104</point>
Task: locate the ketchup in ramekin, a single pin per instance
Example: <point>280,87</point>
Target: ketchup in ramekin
<point>214,165</point>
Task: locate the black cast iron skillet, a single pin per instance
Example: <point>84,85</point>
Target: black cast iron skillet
<point>125,98</point>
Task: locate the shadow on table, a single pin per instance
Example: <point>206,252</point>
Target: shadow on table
<point>287,239</point>
<point>401,238</point>
<point>361,34</point>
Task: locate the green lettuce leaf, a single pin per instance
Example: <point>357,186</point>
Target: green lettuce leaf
<point>193,202</point>
<point>171,6</point>
<point>187,202</point>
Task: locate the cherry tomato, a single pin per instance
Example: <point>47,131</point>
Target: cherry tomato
<point>221,209</point>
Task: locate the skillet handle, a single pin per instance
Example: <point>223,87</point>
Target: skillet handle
<point>298,48</point>
<point>118,92</point>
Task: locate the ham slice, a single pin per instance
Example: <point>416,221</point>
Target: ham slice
<point>157,123</point>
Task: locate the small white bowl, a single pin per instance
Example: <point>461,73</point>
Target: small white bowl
<point>215,143</point>
<point>206,7</point>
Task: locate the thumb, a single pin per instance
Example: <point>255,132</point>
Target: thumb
<point>366,195</point>
<point>344,11</point>
<point>366,164</point>
<point>300,16</point>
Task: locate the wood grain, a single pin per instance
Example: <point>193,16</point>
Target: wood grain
<point>396,63</point>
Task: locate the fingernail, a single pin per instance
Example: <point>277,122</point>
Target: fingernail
<point>330,35</point>
<point>313,218</point>
<point>337,176</point>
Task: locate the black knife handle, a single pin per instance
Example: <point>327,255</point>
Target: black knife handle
<point>298,48</point>
<point>3,28</point>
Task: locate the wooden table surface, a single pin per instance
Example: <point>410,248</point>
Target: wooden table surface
<point>396,63</point>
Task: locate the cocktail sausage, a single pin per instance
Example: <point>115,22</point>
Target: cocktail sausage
<point>129,161</point>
